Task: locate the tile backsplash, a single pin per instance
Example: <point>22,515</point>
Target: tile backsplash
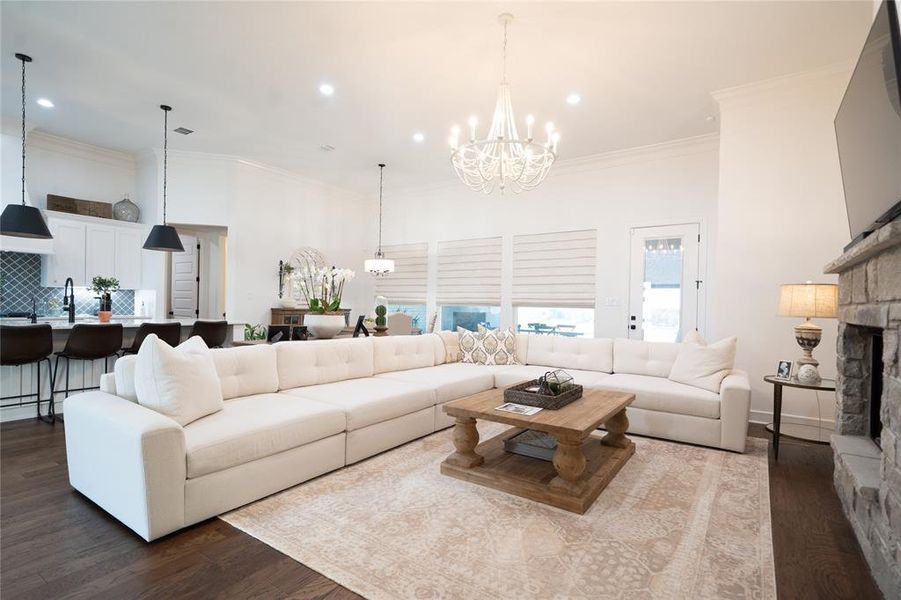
<point>20,281</point>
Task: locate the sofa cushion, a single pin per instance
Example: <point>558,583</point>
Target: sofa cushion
<point>644,358</point>
<point>369,400</point>
<point>519,373</point>
<point>588,354</point>
<point>704,366</point>
<point>254,427</point>
<point>322,361</point>
<point>124,374</point>
<point>179,382</point>
<point>662,395</point>
<point>400,352</point>
<point>451,342</point>
<point>246,370</point>
<point>450,381</point>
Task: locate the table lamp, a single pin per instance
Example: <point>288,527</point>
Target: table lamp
<point>808,300</point>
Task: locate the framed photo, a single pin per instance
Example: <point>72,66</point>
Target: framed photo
<point>784,369</point>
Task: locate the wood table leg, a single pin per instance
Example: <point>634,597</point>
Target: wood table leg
<point>569,461</point>
<point>616,430</point>
<point>466,438</point>
<point>777,417</point>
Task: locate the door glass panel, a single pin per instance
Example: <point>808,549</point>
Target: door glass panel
<point>662,289</point>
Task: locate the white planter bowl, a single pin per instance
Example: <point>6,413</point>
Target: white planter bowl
<point>324,326</point>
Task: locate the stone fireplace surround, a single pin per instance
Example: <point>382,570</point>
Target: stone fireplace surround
<point>867,477</point>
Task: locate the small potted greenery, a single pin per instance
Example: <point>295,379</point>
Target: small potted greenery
<point>104,286</point>
<point>381,322</point>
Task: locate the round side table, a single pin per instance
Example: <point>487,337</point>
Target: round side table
<point>809,433</point>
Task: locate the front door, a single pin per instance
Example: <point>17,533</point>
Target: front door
<point>664,285</point>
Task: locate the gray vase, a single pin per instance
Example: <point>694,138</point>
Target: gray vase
<point>126,210</point>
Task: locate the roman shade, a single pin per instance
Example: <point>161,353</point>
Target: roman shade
<point>469,271</point>
<point>555,269</point>
<point>407,284</point>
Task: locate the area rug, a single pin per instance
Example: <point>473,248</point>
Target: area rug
<point>678,521</point>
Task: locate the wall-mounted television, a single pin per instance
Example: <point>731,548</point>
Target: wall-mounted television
<point>868,129</point>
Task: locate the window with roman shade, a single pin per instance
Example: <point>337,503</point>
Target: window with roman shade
<point>469,271</point>
<point>407,284</point>
<point>555,269</point>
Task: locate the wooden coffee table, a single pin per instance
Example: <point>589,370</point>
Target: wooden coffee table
<point>583,463</point>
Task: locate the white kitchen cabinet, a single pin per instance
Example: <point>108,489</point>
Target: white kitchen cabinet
<point>128,258</point>
<point>100,252</point>
<point>85,247</point>
<point>68,255</point>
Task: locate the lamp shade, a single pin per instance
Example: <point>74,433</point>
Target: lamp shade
<point>808,300</point>
<point>20,220</point>
<point>379,266</point>
<point>164,238</point>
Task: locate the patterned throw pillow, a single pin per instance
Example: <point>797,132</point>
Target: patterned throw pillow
<point>488,346</point>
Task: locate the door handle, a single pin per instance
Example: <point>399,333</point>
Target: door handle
<point>631,317</point>
<point>632,327</point>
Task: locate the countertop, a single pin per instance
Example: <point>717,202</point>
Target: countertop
<point>128,322</point>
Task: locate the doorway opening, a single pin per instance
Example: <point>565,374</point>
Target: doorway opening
<point>197,276</point>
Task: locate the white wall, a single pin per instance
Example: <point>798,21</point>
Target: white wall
<point>781,218</point>
<point>661,184</point>
<point>268,214</point>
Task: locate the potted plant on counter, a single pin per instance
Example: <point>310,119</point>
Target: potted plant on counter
<point>323,289</point>
<point>104,286</point>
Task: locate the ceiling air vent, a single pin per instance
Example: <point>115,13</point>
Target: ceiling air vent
<point>183,130</point>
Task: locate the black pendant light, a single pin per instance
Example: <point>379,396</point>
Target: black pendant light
<point>21,220</point>
<point>164,237</point>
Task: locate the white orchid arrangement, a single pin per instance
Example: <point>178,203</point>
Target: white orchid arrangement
<point>323,288</point>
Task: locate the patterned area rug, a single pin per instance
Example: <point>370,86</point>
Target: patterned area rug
<point>677,522</point>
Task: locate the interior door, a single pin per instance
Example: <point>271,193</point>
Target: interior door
<point>664,286</point>
<point>185,280</point>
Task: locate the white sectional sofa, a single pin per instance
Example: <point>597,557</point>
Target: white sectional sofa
<point>296,410</point>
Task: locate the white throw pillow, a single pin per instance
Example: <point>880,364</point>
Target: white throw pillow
<point>179,382</point>
<point>703,366</point>
<point>451,341</point>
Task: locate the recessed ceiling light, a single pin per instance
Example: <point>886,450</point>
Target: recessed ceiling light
<point>326,89</point>
<point>418,137</point>
<point>573,99</point>
<point>45,103</point>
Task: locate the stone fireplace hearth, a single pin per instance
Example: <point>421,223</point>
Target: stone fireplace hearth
<point>867,444</point>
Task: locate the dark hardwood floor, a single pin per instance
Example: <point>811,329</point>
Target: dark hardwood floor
<point>54,543</point>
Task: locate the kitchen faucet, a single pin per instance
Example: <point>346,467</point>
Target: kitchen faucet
<point>69,298</point>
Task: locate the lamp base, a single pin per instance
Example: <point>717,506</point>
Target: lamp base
<point>808,336</point>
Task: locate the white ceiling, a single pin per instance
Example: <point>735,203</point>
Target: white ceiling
<point>245,75</point>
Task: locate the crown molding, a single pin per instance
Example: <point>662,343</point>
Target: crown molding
<point>53,143</point>
<point>751,91</point>
<point>670,149</point>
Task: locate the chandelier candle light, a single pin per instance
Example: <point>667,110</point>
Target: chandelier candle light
<point>379,266</point>
<point>502,159</point>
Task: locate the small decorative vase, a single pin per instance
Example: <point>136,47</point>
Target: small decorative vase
<point>104,315</point>
<point>324,326</point>
<point>380,331</point>
<point>126,210</point>
<point>106,308</point>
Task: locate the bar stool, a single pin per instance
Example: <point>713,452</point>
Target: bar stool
<point>27,344</point>
<point>213,333</point>
<point>168,332</point>
<point>89,342</point>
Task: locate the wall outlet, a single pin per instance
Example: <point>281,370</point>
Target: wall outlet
<point>611,301</point>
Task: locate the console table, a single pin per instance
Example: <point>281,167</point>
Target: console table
<point>294,316</point>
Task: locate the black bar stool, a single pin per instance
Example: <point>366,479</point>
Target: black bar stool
<point>168,332</point>
<point>27,344</point>
<point>89,342</point>
<point>213,333</point>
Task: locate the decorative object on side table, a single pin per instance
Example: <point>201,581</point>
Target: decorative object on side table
<point>553,390</point>
<point>104,286</point>
<point>784,369</point>
<point>381,323</point>
<point>126,210</point>
<point>808,300</point>
<point>323,289</point>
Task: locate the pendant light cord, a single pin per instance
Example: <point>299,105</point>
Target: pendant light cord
<point>165,157</point>
<point>504,76</point>
<point>381,178</point>
<point>23,132</point>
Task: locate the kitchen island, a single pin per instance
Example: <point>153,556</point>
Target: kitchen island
<point>18,384</point>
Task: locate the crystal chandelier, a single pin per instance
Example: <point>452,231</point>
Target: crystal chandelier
<point>379,266</point>
<point>502,159</point>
